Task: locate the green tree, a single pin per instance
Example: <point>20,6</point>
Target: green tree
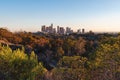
<point>68,46</point>
<point>70,68</point>
<point>105,61</point>
<point>16,65</point>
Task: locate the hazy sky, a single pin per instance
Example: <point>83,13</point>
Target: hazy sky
<point>29,15</point>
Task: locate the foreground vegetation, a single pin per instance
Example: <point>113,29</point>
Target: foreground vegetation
<point>16,65</point>
<point>59,57</point>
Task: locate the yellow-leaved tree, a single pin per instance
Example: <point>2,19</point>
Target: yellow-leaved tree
<point>16,65</point>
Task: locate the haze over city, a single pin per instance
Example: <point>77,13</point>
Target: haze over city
<point>30,15</point>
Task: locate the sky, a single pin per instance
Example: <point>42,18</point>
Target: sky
<point>30,15</point>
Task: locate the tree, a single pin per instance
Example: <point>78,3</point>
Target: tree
<point>16,65</point>
<point>70,68</point>
<point>106,61</point>
<point>68,46</point>
<point>60,52</point>
<point>80,46</point>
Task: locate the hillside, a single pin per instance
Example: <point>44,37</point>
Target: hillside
<point>68,57</point>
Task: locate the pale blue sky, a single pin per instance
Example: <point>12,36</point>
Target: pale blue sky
<point>29,15</point>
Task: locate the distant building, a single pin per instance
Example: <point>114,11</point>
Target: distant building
<point>50,30</point>
<point>54,30</point>
<point>68,30</point>
<point>71,31</point>
<point>51,25</point>
<point>62,30</point>
<point>79,31</point>
<point>58,29</point>
<point>43,29</point>
<point>47,30</point>
<point>83,31</point>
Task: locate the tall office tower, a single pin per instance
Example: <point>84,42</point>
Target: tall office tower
<point>51,28</point>
<point>83,31</point>
<point>54,30</point>
<point>43,29</point>
<point>51,25</point>
<point>47,29</point>
<point>71,31</point>
<point>62,30</point>
<point>58,29</point>
<point>79,31</point>
<point>68,30</point>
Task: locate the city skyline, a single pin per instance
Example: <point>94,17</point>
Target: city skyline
<point>51,29</point>
<point>30,15</point>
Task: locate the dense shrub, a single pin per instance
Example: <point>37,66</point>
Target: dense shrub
<point>70,68</point>
<point>105,61</point>
<point>16,65</point>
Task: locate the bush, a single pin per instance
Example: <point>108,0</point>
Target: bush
<point>70,68</point>
<point>16,65</point>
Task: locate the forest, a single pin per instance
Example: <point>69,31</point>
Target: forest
<point>38,56</point>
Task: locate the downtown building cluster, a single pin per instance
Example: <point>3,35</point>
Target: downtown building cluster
<point>59,30</point>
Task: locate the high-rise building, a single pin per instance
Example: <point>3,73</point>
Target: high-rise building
<point>58,29</point>
<point>83,31</point>
<point>62,30</point>
<point>71,31</point>
<point>43,29</point>
<point>51,25</point>
<point>50,29</point>
<point>47,29</point>
<point>54,30</point>
<point>68,30</point>
<point>79,31</point>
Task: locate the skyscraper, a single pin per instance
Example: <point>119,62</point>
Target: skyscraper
<point>58,29</point>
<point>83,31</point>
<point>79,31</point>
<point>51,25</point>
<point>43,29</point>
<point>62,30</point>
<point>68,30</point>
